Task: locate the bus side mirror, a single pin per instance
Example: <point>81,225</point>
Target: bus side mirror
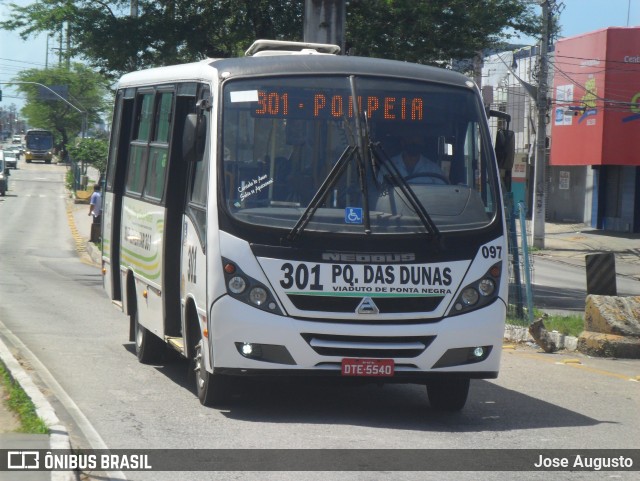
<point>505,149</point>
<point>194,137</point>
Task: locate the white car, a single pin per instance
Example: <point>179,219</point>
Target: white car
<point>11,158</point>
<point>4,178</point>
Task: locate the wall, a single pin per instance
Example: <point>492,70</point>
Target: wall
<point>567,187</point>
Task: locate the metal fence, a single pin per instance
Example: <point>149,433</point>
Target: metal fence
<point>520,307</point>
<point>78,174</point>
<point>82,173</point>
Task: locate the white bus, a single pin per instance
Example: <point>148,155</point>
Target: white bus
<point>259,220</point>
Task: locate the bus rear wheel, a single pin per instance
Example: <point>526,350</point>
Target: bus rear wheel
<point>149,348</point>
<point>448,394</point>
<point>213,389</point>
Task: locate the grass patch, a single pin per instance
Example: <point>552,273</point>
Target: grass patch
<point>18,401</point>
<point>567,325</point>
<point>571,325</point>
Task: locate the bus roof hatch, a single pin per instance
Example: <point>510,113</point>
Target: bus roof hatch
<point>280,47</point>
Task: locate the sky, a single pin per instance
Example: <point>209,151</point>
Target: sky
<point>577,17</point>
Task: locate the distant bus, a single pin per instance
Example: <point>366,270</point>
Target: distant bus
<point>256,222</point>
<point>39,145</point>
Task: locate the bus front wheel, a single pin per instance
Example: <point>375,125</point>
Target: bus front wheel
<point>448,394</point>
<point>149,348</point>
<point>213,389</point>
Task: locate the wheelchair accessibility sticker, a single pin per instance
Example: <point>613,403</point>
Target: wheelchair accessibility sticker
<point>353,215</point>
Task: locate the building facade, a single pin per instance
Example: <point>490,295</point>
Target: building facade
<point>596,127</point>
<point>593,159</point>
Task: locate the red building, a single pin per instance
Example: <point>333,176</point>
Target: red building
<point>595,129</point>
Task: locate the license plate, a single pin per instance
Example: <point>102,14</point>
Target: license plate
<point>367,367</point>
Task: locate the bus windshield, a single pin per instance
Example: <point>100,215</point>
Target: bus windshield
<point>39,140</point>
<point>354,155</point>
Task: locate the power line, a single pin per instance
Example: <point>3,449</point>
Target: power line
<point>22,61</point>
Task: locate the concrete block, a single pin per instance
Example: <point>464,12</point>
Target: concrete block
<point>612,315</point>
<point>609,345</point>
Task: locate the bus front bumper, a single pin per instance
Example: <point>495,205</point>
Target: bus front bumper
<point>249,341</point>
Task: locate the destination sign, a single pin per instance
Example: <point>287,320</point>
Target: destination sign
<point>327,104</point>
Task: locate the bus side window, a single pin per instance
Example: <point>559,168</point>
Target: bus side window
<point>159,149</point>
<point>138,152</point>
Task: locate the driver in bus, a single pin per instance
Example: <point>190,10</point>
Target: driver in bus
<point>413,165</point>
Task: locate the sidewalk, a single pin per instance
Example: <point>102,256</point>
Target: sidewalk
<point>19,443</point>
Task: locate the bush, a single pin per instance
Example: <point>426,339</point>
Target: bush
<point>91,151</point>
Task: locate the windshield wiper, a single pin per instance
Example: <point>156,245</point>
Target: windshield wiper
<point>322,192</point>
<point>362,155</point>
<point>360,149</point>
<point>400,182</point>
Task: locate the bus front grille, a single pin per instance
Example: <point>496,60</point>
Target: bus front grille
<point>368,346</point>
<point>386,305</point>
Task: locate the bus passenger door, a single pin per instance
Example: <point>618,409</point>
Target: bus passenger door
<point>180,191</point>
<point>193,265</point>
<point>114,191</point>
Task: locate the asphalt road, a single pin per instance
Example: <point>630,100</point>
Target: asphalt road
<point>53,301</point>
<point>562,287</point>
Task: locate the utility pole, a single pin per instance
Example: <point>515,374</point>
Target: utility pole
<point>324,22</point>
<point>539,200</point>
<point>68,53</point>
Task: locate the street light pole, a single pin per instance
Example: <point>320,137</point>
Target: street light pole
<point>83,112</point>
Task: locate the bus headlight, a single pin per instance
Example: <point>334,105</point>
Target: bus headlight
<point>478,293</point>
<point>237,285</point>
<point>258,296</point>
<point>246,289</point>
<point>469,296</point>
<point>486,287</point>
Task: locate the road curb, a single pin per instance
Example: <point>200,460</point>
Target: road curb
<point>83,246</point>
<point>81,243</point>
<point>58,435</point>
<point>521,334</point>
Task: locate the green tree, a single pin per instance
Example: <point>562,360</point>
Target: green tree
<point>85,91</point>
<point>435,31</point>
<point>170,31</point>
<point>164,32</point>
<point>91,151</point>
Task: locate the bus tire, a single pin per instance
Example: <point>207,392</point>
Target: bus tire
<point>448,394</point>
<point>213,389</point>
<point>149,348</point>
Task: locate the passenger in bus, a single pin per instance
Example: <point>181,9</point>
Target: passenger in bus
<point>413,165</point>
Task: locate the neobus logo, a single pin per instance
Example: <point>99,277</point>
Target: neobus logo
<point>635,108</point>
<point>367,258</point>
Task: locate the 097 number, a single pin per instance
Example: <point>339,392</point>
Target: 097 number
<point>492,252</point>
<point>301,276</point>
